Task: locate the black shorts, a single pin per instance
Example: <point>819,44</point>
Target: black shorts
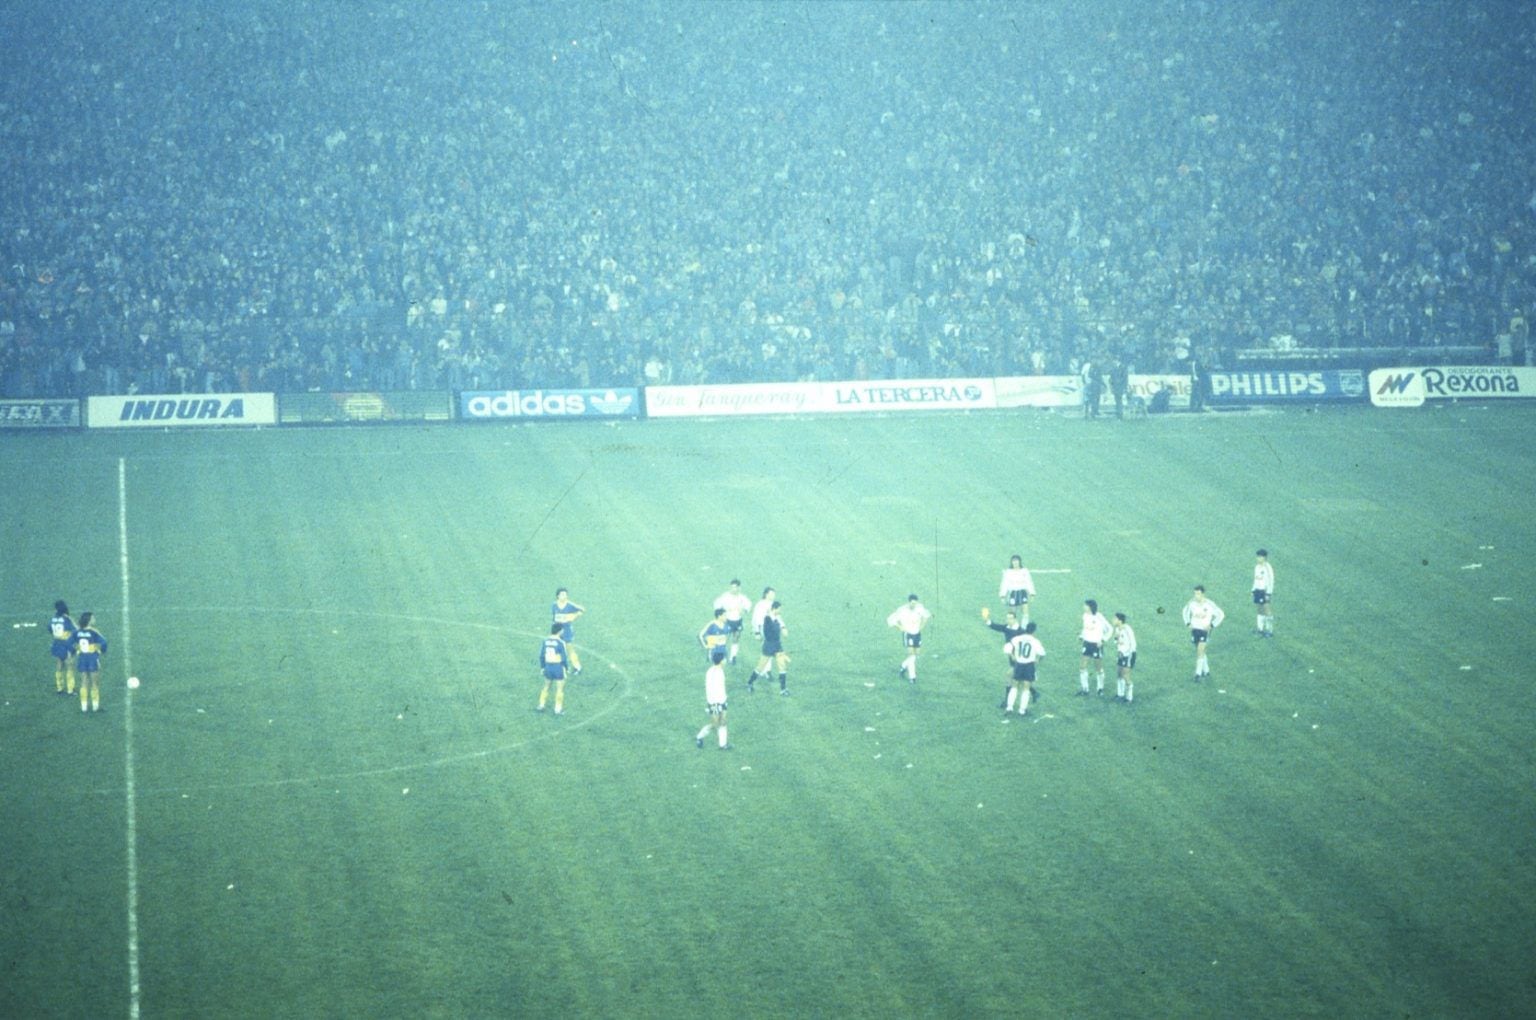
<point>1260,597</point>
<point>1093,649</point>
<point>1017,598</point>
<point>1126,661</point>
<point>1023,672</point>
<point>1198,636</point>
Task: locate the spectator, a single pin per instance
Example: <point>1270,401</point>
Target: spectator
<point>887,191</point>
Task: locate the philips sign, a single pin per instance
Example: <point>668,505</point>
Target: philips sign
<point>1285,387</point>
<point>499,406</point>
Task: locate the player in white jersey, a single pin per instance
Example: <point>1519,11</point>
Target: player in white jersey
<point>1024,651</point>
<point>1096,630</point>
<point>1125,661</point>
<point>760,610</point>
<point>1201,616</point>
<point>1264,594</point>
<point>714,702</point>
<point>736,606</point>
<point>1017,588</point>
<point>910,618</point>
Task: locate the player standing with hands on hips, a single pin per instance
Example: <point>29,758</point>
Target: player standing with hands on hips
<point>1264,594</point>
<point>1096,630</point>
<point>1017,588</point>
<point>910,619</point>
<point>1202,616</point>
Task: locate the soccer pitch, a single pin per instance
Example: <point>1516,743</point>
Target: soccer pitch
<point>331,795</point>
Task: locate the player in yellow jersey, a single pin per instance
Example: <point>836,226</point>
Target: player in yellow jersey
<point>554,656</point>
<point>62,629</point>
<point>564,612</point>
<point>90,646</point>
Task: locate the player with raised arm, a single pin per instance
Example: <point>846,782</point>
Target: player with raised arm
<point>713,638</point>
<point>1017,588</point>
<point>1096,630</point>
<point>714,704</point>
<point>565,613</point>
<point>1125,661</point>
<point>62,630</point>
<point>1201,616</point>
<point>1009,629</point>
<point>1024,651</point>
<point>736,606</point>
<point>1264,594</point>
<point>90,646</point>
<point>554,657</point>
<point>910,618</point>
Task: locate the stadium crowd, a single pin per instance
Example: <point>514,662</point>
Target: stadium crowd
<point>204,197</point>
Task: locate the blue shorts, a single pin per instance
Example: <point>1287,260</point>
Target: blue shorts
<point>716,654</point>
<point>554,672</point>
<point>62,650</point>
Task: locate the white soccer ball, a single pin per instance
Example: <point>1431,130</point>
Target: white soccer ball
<point>133,682</point>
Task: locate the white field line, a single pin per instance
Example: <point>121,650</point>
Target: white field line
<point>130,794</point>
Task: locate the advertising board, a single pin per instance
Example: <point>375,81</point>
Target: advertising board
<point>39,414</point>
<point>1411,387</point>
<point>1243,388</point>
<point>505,405</point>
<point>820,397</point>
<point>364,406</point>
<point>182,410</point>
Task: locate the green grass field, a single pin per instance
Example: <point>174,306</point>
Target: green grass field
<point>331,796</point>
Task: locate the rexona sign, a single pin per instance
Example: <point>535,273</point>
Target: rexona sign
<point>504,404</point>
<point>182,411</point>
<point>1410,387</point>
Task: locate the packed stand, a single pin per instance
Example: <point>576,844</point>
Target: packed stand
<point>207,198</point>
